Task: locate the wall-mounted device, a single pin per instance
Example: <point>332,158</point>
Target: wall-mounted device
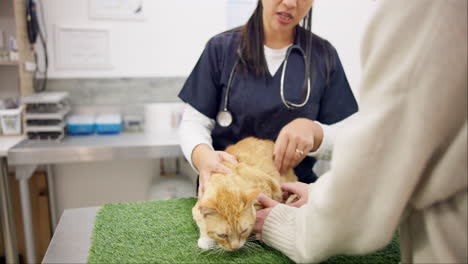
<point>31,21</point>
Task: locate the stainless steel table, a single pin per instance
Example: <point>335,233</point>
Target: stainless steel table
<point>27,155</point>
<point>72,238</point>
<point>6,215</point>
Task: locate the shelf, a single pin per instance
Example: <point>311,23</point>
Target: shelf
<point>46,128</point>
<point>41,116</point>
<point>45,98</point>
<point>9,63</point>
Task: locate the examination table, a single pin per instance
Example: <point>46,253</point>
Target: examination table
<point>158,232</point>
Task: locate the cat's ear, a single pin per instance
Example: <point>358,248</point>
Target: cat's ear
<point>207,208</point>
<point>250,197</point>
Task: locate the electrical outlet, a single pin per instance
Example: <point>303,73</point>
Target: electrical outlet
<point>30,66</point>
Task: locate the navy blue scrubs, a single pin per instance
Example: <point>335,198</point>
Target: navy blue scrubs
<point>255,102</point>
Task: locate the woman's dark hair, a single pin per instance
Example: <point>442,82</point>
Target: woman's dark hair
<point>251,52</point>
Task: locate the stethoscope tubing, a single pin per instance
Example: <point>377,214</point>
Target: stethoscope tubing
<point>224,117</point>
<point>290,105</point>
<point>229,84</point>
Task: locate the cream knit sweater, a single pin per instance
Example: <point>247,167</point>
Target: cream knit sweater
<point>402,162</point>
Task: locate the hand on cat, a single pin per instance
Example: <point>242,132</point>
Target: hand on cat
<point>262,214</point>
<point>295,140</point>
<point>208,161</point>
<point>298,188</point>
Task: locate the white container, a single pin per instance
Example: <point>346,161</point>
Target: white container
<point>10,120</point>
<point>163,118</point>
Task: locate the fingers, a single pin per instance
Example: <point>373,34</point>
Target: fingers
<point>259,221</point>
<point>297,134</point>
<point>290,187</point>
<point>280,149</point>
<point>302,146</point>
<point>258,236</point>
<point>220,168</point>
<point>289,156</point>
<point>285,154</point>
<point>298,188</point>
<point>266,201</point>
<point>228,157</point>
<point>214,166</point>
<point>298,203</point>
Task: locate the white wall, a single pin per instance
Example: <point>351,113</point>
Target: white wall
<point>343,22</point>
<point>171,38</point>
<point>167,42</point>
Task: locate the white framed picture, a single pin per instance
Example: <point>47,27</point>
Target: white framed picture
<point>82,48</point>
<point>116,9</point>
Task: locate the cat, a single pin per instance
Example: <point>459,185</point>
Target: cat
<point>226,213</point>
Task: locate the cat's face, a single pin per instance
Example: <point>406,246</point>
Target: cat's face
<point>231,224</point>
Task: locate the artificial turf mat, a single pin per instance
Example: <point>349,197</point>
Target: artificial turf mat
<point>164,232</point>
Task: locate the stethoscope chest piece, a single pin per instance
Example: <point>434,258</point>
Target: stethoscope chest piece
<point>224,118</point>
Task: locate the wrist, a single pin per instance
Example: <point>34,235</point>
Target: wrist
<point>198,153</point>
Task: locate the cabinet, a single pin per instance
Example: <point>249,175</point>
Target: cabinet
<point>15,81</point>
<point>38,190</point>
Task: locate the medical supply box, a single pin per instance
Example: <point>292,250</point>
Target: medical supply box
<point>108,124</point>
<point>81,125</point>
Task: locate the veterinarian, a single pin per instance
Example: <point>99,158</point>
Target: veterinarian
<point>271,79</point>
<point>408,164</point>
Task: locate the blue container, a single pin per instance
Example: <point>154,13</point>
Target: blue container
<point>108,124</point>
<point>105,129</point>
<point>77,130</point>
<point>80,125</point>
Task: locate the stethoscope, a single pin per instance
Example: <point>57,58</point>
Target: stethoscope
<point>224,117</point>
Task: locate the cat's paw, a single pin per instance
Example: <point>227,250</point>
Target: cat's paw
<point>206,243</point>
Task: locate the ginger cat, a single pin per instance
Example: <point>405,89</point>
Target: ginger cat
<point>226,213</point>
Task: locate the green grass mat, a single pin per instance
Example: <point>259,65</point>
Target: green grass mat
<point>164,232</point>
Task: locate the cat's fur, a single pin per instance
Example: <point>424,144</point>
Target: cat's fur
<point>226,213</point>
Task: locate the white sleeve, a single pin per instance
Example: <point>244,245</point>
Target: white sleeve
<point>195,129</point>
<point>330,132</point>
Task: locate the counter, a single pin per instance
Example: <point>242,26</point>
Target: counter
<point>27,155</point>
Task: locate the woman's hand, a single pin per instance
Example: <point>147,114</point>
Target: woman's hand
<point>295,140</point>
<point>301,190</point>
<point>208,161</point>
<point>262,214</point>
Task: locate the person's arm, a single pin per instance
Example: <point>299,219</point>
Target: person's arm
<point>195,129</point>
<point>380,158</point>
<point>196,142</point>
<point>202,91</point>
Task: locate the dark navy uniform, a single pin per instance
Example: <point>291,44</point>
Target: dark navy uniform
<point>255,102</point>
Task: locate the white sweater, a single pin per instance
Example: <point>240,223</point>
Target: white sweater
<point>403,161</point>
